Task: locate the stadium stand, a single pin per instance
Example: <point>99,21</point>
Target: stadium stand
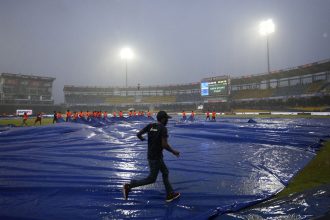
<point>326,88</point>
<point>316,87</point>
<point>159,99</point>
<point>25,89</point>
<point>252,93</point>
<point>115,100</point>
<point>29,92</point>
<point>280,88</point>
<point>290,90</point>
<point>316,67</point>
<point>305,85</point>
<point>189,98</point>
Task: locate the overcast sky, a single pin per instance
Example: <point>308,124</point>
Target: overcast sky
<point>174,41</point>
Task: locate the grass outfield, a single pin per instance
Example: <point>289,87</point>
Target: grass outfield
<point>314,174</point>
<point>274,116</point>
<point>29,122</point>
<point>299,108</point>
<point>46,121</point>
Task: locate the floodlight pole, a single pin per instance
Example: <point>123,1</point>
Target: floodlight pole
<point>126,54</point>
<point>266,28</point>
<point>126,75</point>
<point>268,65</point>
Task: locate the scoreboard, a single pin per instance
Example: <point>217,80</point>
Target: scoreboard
<point>215,86</point>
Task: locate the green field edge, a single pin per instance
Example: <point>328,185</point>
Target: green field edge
<point>314,174</point>
<point>273,116</point>
<point>46,121</point>
<point>29,122</point>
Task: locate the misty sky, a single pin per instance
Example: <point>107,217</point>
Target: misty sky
<point>174,41</point>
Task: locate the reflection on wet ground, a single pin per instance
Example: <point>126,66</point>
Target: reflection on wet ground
<point>76,170</point>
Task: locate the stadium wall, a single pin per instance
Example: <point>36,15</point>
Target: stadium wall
<point>10,109</point>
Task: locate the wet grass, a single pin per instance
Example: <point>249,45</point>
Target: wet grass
<point>316,173</point>
<point>274,116</point>
<point>30,121</point>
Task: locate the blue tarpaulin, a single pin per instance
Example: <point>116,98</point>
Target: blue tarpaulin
<point>310,204</point>
<point>76,170</point>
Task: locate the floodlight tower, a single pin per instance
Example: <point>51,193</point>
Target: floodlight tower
<point>265,28</point>
<point>126,54</point>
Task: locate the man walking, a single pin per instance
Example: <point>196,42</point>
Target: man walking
<point>157,141</point>
<point>38,118</point>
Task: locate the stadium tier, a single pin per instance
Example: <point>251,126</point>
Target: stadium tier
<point>171,94</point>
<point>306,85</point>
<point>310,80</point>
<point>25,89</point>
<point>312,68</point>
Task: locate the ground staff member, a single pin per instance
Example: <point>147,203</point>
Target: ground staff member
<point>25,118</point>
<point>38,118</point>
<point>55,117</point>
<point>157,141</point>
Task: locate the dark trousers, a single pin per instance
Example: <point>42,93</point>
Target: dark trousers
<point>155,166</point>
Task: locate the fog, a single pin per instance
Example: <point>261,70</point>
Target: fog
<point>78,41</point>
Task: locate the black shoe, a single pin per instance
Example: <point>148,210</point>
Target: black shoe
<point>172,196</point>
<point>126,190</point>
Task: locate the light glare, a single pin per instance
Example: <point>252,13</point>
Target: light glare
<point>126,53</point>
<point>266,27</point>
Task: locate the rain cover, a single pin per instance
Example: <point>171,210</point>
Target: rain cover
<point>76,170</point>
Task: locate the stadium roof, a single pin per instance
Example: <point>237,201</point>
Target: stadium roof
<point>310,68</point>
<point>14,75</point>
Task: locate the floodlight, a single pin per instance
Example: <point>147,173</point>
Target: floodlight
<point>126,53</point>
<point>266,27</point>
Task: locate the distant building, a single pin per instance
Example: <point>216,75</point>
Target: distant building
<point>26,89</point>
